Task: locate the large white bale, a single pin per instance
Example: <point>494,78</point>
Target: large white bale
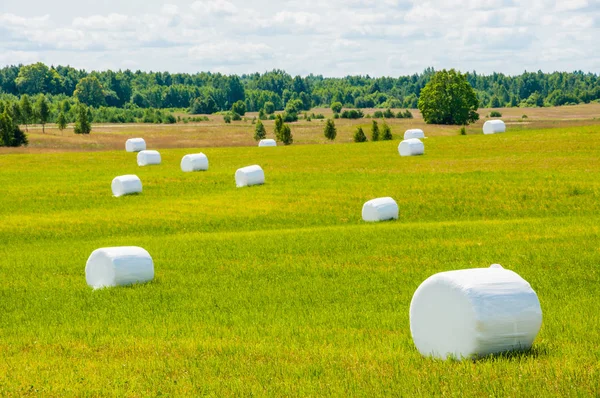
<point>474,312</point>
<point>126,185</point>
<point>194,162</point>
<point>267,142</point>
<point>414,133</point>
<point>118,266</point>
<point>494,127</point>
<point>135,145</point>
<point>251,175</point>
<point>380,209</point>
<point>147,158</point>
<point>411,147</point>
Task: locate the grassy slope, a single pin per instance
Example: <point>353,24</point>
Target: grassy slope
<point>281,289</point>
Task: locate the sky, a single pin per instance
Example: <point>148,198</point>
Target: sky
<point>333,38</point>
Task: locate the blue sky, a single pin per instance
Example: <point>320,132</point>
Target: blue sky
<point>333,38</point>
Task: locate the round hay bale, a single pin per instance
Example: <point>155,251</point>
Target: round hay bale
<point>126,185</point>
<point>494,127</point>
<point>147,158</point>
<point>135,145</point>
<point>414,133</point>
<point>251,175</point>
<point>473,313</point>
<point>118,266</point>
<point>267,142</point>
<point>194,162</point>
<point>411,147</point>
<point>380,209</point>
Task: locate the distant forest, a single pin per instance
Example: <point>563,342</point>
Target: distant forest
<point>205,93</point>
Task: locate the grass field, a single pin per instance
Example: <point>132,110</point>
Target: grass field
<point>281,289</point>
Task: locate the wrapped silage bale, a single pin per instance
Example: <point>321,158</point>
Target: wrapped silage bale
<point>118,266</point>
<point>494,127</point>
<point>251,175</point>
<point>411,147</point>
<point>267,142</point>
<point>414,133</point>
<point>194,162</point>
<point>147,158</point>
<point>380,209</point>
<point>474,312</point>
<point>126,185</point>
<point>135,145</point>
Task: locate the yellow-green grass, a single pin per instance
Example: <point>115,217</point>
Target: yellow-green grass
<point>281,289</point>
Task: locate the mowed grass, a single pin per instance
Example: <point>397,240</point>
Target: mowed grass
<point>281,289</point>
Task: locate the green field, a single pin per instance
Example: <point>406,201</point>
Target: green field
<point>281,289</point>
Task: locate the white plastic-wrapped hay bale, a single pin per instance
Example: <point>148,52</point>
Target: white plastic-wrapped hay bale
<point>118,266</point>
<point>147,158</point>
<point>267,142</point>
<point>474,312</point>
<point>414,133</point>
<point>135,145</point>
<point>126,185</point>
<point>194,162</point>
<point>380,209</point>
<point>494,127</point>
<point>411,147</point>
<point>251,175</point>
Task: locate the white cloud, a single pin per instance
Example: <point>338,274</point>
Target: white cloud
<point>338,37</point>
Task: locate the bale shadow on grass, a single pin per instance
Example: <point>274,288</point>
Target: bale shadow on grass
<point>538,351</point>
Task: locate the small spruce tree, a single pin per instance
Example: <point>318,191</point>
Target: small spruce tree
<point>330,130</point>
<point>259,131</point>
<point>374,131</point>
<point>61,121</point>
<point>359,135</point>
<point>386,132</point>
<point>286,135</point>
<point>82,121</point>
<point>278,127</point>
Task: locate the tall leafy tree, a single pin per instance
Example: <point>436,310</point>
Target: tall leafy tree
<point>26,110</point>
<point>330,130</point>
<point>449,99</point>
<point>42,111</point>
<point>89,91</point>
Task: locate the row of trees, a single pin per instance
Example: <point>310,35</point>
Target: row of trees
<point>212,92</point>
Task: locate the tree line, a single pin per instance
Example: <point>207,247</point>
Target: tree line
<point>207,92</point>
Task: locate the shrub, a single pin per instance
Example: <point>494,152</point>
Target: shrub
<point>352,114</point>
<point>388,114</point>
<point>227,118</point>
<point>268,108</point>
<point>463,130</point>
<point>524,117</point>
<point>336,107</point>
<point>170,119</point>
<point>378,115</point>
<point>235,116</point>
<point>359,135</point>
<point>239,107</point>
<point>495,114</point>
<point>408,114</point>
<point>272,117</point>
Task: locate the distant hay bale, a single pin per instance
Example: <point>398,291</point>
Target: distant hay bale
<point>474,312</point>
<point>494,127</point>
<point>380,209</point>
<point>147,158</point>
<point>411,147</point>
<point>414,133</point>
<point>135,145</point>
<point>267,142</point>
<point>251,175</point>
<point>194,162</point>
<point>118,266</point>
<point>126,185</point>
